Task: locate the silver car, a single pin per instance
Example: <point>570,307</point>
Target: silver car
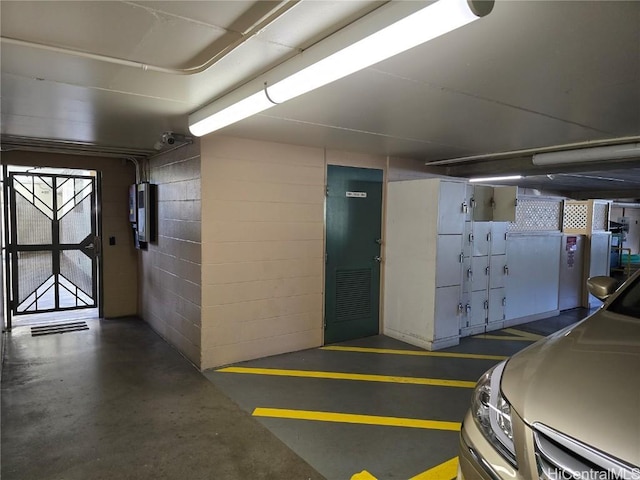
<point>567,407</point>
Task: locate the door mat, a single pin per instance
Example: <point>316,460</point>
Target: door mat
<point>58,328</point>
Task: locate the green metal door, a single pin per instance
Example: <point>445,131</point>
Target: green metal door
<point>352,278</point>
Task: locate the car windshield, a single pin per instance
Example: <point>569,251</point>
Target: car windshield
<point>628,302</point>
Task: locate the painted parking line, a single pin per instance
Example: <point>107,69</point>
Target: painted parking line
<point>437,382</point>
<point>356,419</point>
<point>419,353</point>
<point>509,338</point>
<point>513,335</point>
<point>363,475</point>
<point>521,333</point>
<point>445,471</point>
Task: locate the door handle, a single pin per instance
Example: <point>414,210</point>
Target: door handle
<point>91,246</point>
<point>377,258</point>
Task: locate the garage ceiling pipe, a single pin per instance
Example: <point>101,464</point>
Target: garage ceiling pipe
<point>280,9</point>
<point>532,151</point>
<point>371,39</point>
<point>593,154</point>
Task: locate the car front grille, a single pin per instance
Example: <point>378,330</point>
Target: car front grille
<point>561,457</point>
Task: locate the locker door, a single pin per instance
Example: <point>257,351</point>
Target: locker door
<point>498,238</point>
<point>481,237</point>
<point>497,302</point>
<point>447,313</point>
<point>466,275</point>
<point>467,239</point>
<point>479,305</point>
<point>451,216</point>
<point>497,265</point>
<point>479,273</point>
<point>448,261</point>
<point>469,199</point>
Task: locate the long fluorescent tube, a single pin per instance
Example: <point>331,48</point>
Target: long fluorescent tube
<point>495,179</point>
<point>414,29</point>
<point>593,154</point>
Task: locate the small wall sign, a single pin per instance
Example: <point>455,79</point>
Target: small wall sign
<point>357,194</point>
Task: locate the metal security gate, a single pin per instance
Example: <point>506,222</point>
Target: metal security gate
<point>53,243</point>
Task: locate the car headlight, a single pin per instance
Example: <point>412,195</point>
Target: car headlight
<point>492,413</point>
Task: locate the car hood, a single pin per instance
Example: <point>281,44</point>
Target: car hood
<point>583,382</point>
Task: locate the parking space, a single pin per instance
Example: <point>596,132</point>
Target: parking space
<point>374,408</point>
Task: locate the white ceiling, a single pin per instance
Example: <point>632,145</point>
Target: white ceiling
<point>531,74</point>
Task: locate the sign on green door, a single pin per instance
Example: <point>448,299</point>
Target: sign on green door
<point>352,279</point>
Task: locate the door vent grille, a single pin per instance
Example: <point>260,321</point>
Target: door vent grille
<point>58,328</point>
<point>353,294</point>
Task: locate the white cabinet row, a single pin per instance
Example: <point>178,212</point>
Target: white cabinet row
<point>445,281</point>
<point>473,273</point>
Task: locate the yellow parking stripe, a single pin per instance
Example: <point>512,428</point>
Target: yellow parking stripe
<point>510,338</point>
<point>419,353</point>
<point>363,475</point>
<point>520,333</point>
<point>357,419</point>
<point>445,471</point>
<point>517,335</point>
<point>350,376</point>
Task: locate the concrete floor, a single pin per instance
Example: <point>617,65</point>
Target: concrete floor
<point>117,402</point>
<point>334,406</point>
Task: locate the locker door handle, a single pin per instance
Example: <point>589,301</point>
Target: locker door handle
<point>506,270</point>
<point>469,273</point>
<point>462,257</point>
<point>486,304</point>
<point>486,271</point>
<point>460,309</point>
<point>465,207</point>
<point>467,308</point>
<point>377,258</point>
<point>471,238</point>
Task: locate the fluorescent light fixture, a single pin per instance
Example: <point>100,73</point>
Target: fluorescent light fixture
<point>593,154</point>
<point>410,31</point>
<point>495,179</point>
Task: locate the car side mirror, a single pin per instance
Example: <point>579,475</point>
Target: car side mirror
<point>601,287</point>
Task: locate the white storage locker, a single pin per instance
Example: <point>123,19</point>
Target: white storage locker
<point>496,312</point>
<point>449,260</point>
<point>479,308</point>
<point>452,207</point>
<point>481,238</point>
<point>447,312</point>
<point>479,273</point>
<point>499,238</point>
<point>423,261</point>
<point>497,271</point>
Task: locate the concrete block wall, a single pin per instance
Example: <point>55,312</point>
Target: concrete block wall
<point>262,249</point>
<point>170,287</point>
